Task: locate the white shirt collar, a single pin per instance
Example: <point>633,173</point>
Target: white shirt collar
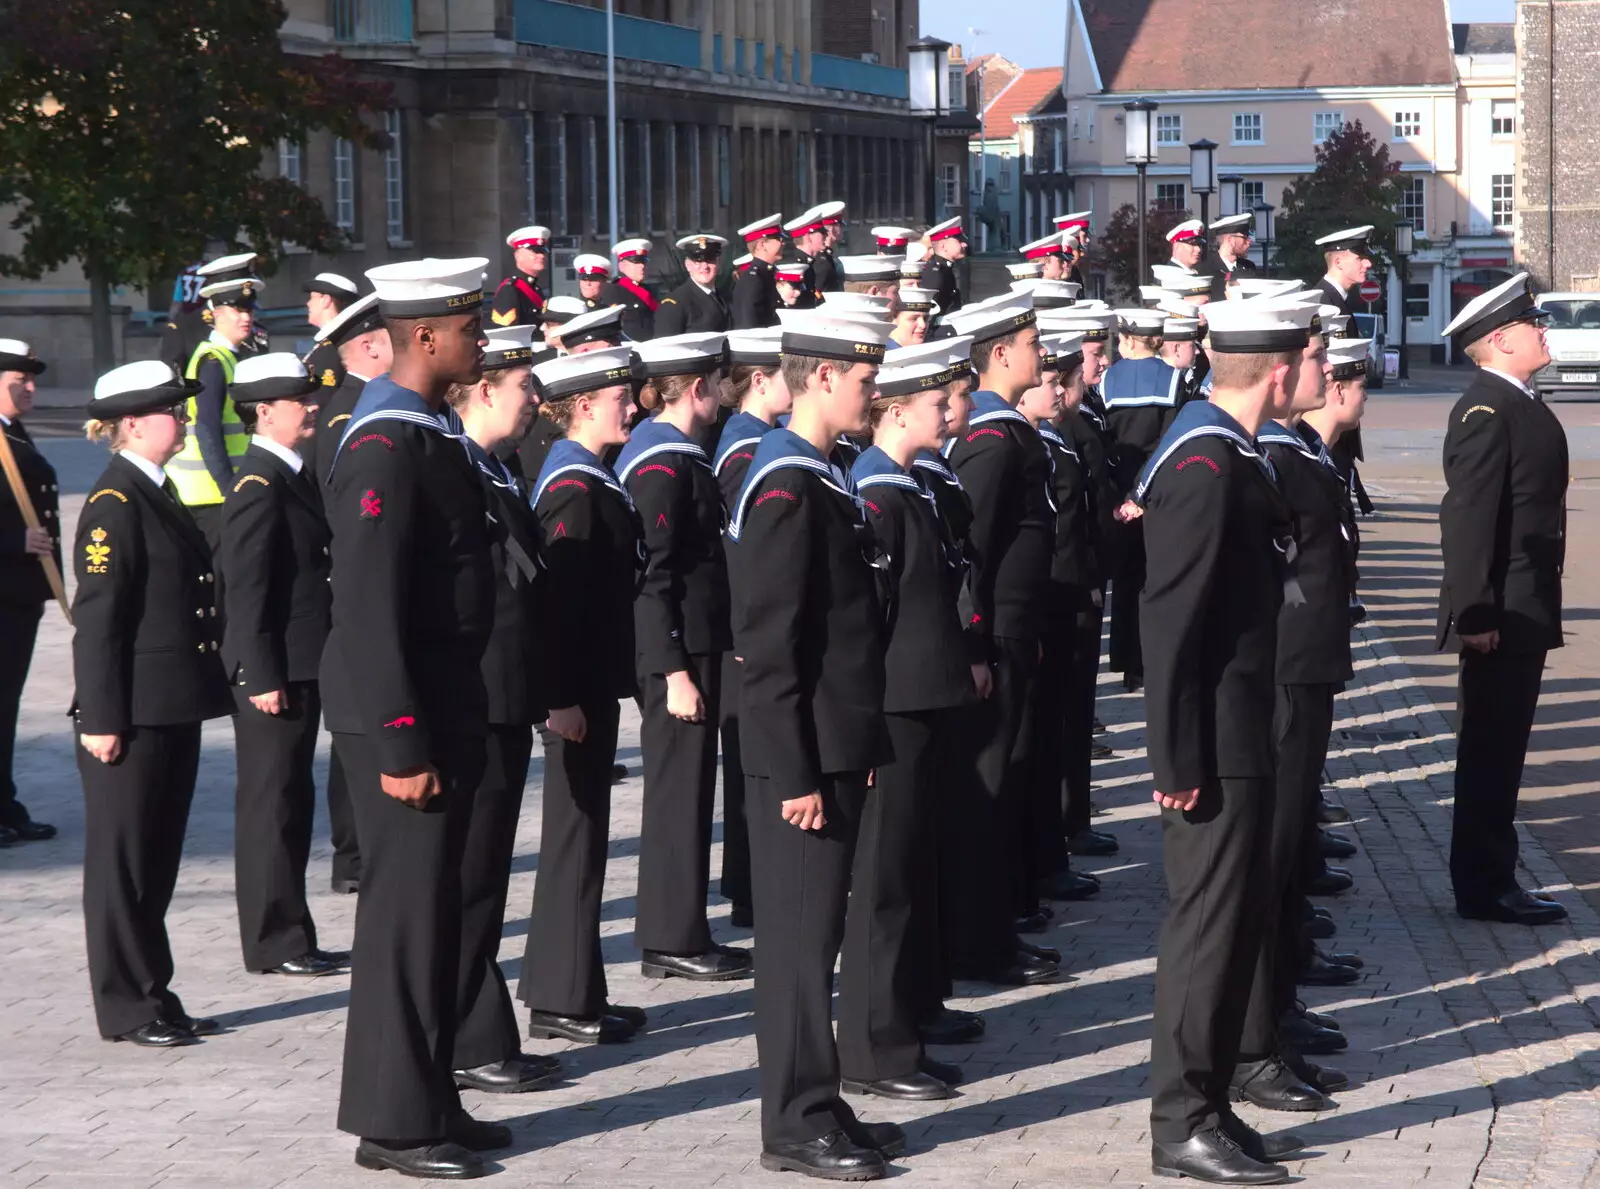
<point>220,340</point>
<point>1494,371</point>
<point>706,289</point>
<point>4,420</point>
<point>290,458</point>
<point>156,475</point>
<point>1344,290</point>
<point>1174,263</point>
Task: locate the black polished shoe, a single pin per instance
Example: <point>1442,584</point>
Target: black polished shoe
<point>633,1015</point>
<point>349,887</point>
<point>1330,882</point>
<point>1316,971</point>
<point>888,1138</point>
<point>1273,1086</point>
<point>619,773</point>
<point>32,831</point>
<point>1318,928</point>
<point>1024,970</point>
<point>1097,727</point>
<point>1100,751</point>
<point>311,965</point>
<point>951,1027</point>
<point>1320,1019</point>
<point>833,1157</point>
<point>1339,957</point>
<point>713,966</point>
<point>742,916</point>
<point>1329,814</point>
<point>1215,1157</point>
<point>337,957</point>
<point>198,1025</point>
<point>1305,1037</point>
<point>476,1135</point>
<point>1133,682</point>
<point>159,1034</point>
<point>1258,1146</point>
<point>1036,922</point>
<point>514,1075</point>
<point>1068,885</point>
<point>1334,846</point>
<point>1515,908</point>
<point>913,1087</point>
<point>605,1029</point>
<point>946,1072</point>
<point>1091,843</point>
<point>1045,952</point>
<point>442,1161</point>
<point>1323,1077</point>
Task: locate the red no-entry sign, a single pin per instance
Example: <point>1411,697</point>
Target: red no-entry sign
<point>1370,291</point>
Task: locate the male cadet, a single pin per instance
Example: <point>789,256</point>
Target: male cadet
<point>809,627</point>
<point>947,243</point>
<point>1050,254</point>
<point>403,691</point>
<point>809,236</point>
<point>327,296</point>
<point>696,305</point>
<point>558,311</point>
<point>593,272</point>
<point>755,294</point>
<point>519,301</point>
<point>629,291</point>
<point>203,470</point>
<point>875,276</point>
<point>828,278</point>
<point>1216,533</point>
<point>1348,255</point>
<point>892,241</point>
<point>1230,254</point>
<point>1188,241</point>
<point>1074,229</point>
<point>1025,270</point>
<point>1502,525</point>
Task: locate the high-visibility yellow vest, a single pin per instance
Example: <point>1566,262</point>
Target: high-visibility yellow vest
<point>188,472</point>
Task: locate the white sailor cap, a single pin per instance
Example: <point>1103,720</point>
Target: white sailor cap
<point>1025,270</point>
<point>1351,239</point>
<point>909,370</point>
<point>1003,315</point>
<point>1144,322</point>
<point>1039,249</point>
<point>694,354</point>
<point>1062,350</point>
<point>597,326</point>
<point>1049,295</point>
<point>631,249</point>
<point>702,246</point>
<point>1152,295</point>
<point>509,346</point>
<point>819,335</point>
<point>947,350</point>
<point>1180,330</point>
<point>841,302</point>
<point>361,316</point>
<point>759,348</point>
<point>278,375</point>
<point>1077,220</point>
<point>917,301</point>
<point>1241,224</point>
<point>1258,327</point>
<point>591,265</point>
<point>135,388</point>
<point>1180,280</point>
<point>893,237</point>
<point>1508,302</point>
<point>1348,357</point>
<point>332,284</point>
<point>429,288</point>
<point>769,228</point>
<point>238,266</point>
<point>870,268</point>
<point>571,375</point>
<point>18,356</point>
<point>1337,324</point>
<point>1187,231</point>
<point>949,229</point>
<point>1249,288</point>
<point>231,280</point>
<point>534,236</point>
<point>1176,307</point>
<point>1320,323</point>
<point>562,309</point>
<point>1095,325</point>
<point>911,267</point>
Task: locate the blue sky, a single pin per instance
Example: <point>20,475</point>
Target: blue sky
<point>1030,32</point>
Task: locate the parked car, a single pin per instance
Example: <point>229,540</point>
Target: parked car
<point>1572,333</point>
<point>1371,328</point>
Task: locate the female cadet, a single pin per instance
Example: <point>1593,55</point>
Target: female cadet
<point>494,411</point>
<point>926,679</point>
<point>144,657</point>
<point>912,310</point>
<point>681,631</point>
<point>756,389</point>
<point>592,555</point>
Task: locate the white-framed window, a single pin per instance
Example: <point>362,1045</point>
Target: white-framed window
<point>1005,175</point>
<point>1251,193</point>
<point>1503,117</point>
<point>344,185</point>
<point>1169,129</point>
<point>950,185</point>
<point>394,179</point>
<point>1503,199</point>
<point>1171,196</point>
<point>1407,124</point>
<point>1414,203</point>
<point>1247,128</point>
<point>289,161</point>
<point>1324,124</point>
<point>958,88</point>
<point>1059,140</point>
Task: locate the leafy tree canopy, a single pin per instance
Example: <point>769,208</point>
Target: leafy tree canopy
<point>1354,183</point>
<point>1118,249</point>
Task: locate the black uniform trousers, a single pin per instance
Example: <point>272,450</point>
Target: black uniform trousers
<point>135,813</point>
<point>980,900</point>
<point>735,884</point>
<point>1216,868</point>
<point>1044,847</point>
<point>1078,745</point>
<point>342,821</point>
<point>1497,696</point>
<point>1302,717</point>
<point>802,888</point>
<point>19,628</point>
<point>486,1028</point>
<point>562,971</point>
<point>275,804</point>
<point>892,929</point>
<point>1127,648</point>
<point>399,1042</point>
<point>680,796</point>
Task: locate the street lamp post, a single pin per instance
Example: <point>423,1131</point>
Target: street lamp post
<point>1203,175</point>
<point>1404,245</point>
<point>1263,212</point>
<point>926,88</point>
<point>1140,151</point>
<point>1229,201</point>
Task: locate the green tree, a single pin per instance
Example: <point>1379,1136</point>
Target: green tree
<point>1353,184</point>
<point>132,131</point>
<point>1118,247</point>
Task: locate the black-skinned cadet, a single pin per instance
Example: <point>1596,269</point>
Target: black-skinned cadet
<point>697,305</point>
<point>519,300</point>
<point>755,302</point>
<point>629,291</point>
<point>327,296</point>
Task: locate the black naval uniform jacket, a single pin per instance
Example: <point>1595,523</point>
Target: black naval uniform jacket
<point>413,586</point>
<point>1314,633</point>
<point>826,272</point>
<point>325,367</point>
<point>518,302</point>
<point>22,580</point>
<point>755,297</point>
<point>146,632</point>
<point>1074,561</point>
<point>689,309</point>
<point>1346,302</point>
<point>333,415</point>
<point>1503,519</point>
<point>276,561</point>
<point>638,307</point>
<point>1211,265</point>
<point>510,662</point>
<point>939,276</point>
<point>1086,430</point>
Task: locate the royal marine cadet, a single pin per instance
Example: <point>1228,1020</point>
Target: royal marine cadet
<point>593,272</point>
<point>825,265</point>
<point>810,237</point>
<point>947,243</point>
<point>630,292</point>
<point>755,301</point>
<point>327,296</point>
<point>519,301</point>
<point>696,306</point>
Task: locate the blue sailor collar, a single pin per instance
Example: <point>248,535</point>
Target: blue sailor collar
<point>653,438</point>
<point>567,456</point>
<point>1274,434</point>
<point>491,467</point>
<point>742,429</point>
<point>1135,383</point>
<point>987,407</point>
<point>874,468</point>
<point>383,400</point>
<point>1324,455</point>
<point>778,450</point>
<point>1200,419</point>
<point>932,463</point>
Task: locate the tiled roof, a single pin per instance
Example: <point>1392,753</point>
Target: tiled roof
<point>1485,37</point>
<point>1182,45</point>
<point>1026,92</point>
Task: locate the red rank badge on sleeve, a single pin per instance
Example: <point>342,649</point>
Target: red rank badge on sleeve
<point>371,506</point>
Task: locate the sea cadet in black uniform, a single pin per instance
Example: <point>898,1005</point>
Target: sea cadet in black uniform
<point>1502,526</point>
<point>912,310</point>
<point>496,410</point>
<point>755,294</point>
<point>1348,255</point>
<point>681,633</point>
<point>558,311</point>
<point>276,614</point>
<point>696,306</point>
<point>519,301</point>
<point>947,244</point>
<point>1216,531</point>
<point>825,266</point>
<point>872,276</point>
<point>144,660</point>
<point>593,555</point>
<point>327,296</point>
<point>809,626</point>
<point>630,292</point>
<point>413,606</point>
<point>1229,257</point>
<point>1180,347</point>
<point>594,273</point>
<point>24,589</point>
<point>585,332</point>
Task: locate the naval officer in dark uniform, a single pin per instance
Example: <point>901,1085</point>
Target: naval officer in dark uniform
<point>1502,526</point>
<point>755,294</point>
<point>696,306</point>
<point>1229,256</point>
<point>630,292</point>
<point>327,296</point>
